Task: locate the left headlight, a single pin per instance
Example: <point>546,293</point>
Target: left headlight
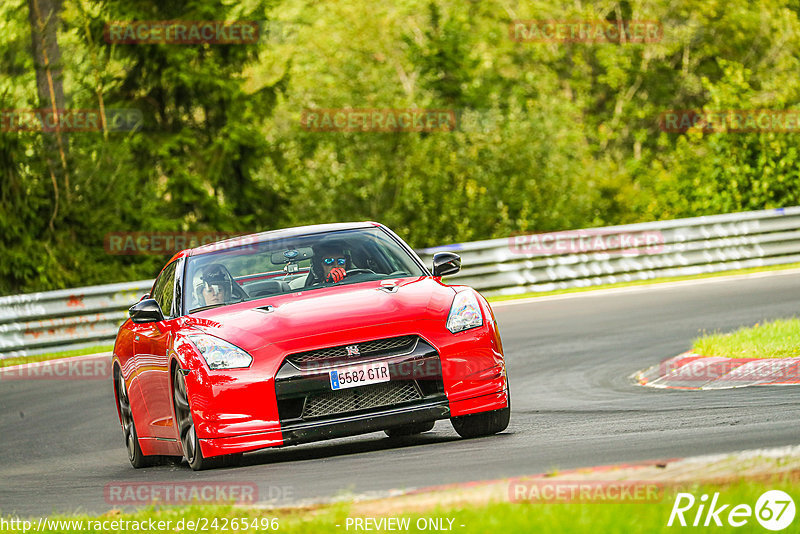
<point>219,354</point>
<point>465,313</point>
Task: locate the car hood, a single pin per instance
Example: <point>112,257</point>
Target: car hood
<point>251,325</point>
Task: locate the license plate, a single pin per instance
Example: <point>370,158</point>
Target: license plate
<point>359,375</point>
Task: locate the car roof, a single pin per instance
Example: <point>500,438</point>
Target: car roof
<point>283,233</point>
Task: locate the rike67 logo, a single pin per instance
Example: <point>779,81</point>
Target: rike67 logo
<point>774,510</point>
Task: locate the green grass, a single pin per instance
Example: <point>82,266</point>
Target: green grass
<point>5,362</point>
<point>605,517</point>
<point>775,339</point>
<point>645,282</point>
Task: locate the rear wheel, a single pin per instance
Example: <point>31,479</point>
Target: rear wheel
<point>409,430</point>
<point>135,455</point>
<point>188,435</point>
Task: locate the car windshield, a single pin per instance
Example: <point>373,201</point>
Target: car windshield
<point>287,265</point>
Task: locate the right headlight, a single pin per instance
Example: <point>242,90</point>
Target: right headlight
<point>465,312</point>
<point>219,354</point>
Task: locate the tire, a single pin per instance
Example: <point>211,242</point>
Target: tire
<point>135,454</point>
<point>190,443</point>
<point>480,424</point>
<point>409,430</point>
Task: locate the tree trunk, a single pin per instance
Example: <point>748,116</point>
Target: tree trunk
<point>44,20</point>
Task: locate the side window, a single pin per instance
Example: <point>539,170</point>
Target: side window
<point>163,290</point>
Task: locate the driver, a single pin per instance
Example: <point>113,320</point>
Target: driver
<point>331,261</point>
<point>216,285</point>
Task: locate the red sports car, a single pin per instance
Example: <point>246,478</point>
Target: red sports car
<point>300,335</point>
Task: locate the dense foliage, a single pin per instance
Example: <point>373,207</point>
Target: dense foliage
<point>549,135</point>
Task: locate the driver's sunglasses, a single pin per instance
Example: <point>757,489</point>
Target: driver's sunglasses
<point>329,261</point>
<point>216,288</point>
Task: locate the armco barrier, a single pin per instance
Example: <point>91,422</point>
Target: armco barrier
<point>683,247</point>
<point>65,319</point>
<point>74,318</point>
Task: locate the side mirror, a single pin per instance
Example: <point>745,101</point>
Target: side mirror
<point>446,263</point>
<point>146,311</point>
<point>145,296</point>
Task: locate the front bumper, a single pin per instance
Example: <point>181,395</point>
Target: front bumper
<point>352,425</point>
<point>340,427</point>
<point>465,375</point>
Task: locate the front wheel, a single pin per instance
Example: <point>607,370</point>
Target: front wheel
<point>187,433</point>
<point>482,424</point>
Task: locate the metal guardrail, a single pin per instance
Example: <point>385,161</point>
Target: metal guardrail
<point>74,318</point>
<point>66,319</point>
<point>679,247</point>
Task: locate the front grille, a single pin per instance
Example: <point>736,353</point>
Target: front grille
<point>370,349</point>
<point>359,398</point>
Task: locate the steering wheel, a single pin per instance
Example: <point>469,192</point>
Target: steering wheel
<point>239,292</point>
<point>359,271</point>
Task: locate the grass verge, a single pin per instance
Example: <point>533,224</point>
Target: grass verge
<point>770,339</point>
<point>495,517</point>
<point>645,282</point>
<point>6,362</point>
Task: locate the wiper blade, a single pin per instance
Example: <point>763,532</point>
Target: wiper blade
<point>208,307</point>
<point>203,308</point>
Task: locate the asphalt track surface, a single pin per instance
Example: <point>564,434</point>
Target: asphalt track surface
<point>574,405</point>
